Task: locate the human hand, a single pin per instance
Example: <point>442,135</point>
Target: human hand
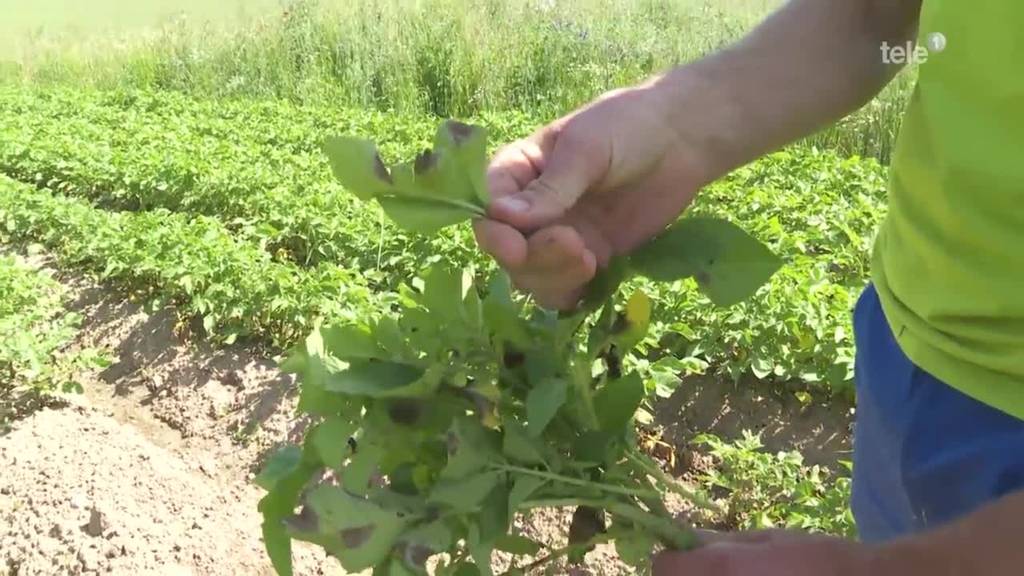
<point>592,185</point>
<point>770,553</point>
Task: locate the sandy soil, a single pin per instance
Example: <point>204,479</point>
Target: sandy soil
<point>149,471</point>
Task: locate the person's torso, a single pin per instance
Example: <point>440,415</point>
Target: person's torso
<point>949,261</point>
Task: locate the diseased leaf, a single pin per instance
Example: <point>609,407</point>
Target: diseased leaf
<point>728,264</point>
<point>586,523</point>
<point>357,165</point>
<point>470,448</point>
<point>440,188</point>
<point>466,145</point>
<point>359,532</point>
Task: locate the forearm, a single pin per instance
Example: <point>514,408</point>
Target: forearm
<point>809,64</point>
<point>989,542</point>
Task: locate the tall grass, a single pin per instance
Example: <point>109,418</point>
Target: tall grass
<point>451,58</point>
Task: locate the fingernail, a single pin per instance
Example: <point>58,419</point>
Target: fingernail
<point>512,204</point>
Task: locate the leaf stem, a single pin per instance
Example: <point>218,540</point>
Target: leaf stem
<point>669,482</point>
<point>612,488</point>
<point>673,535</point>
<point>470,207</point>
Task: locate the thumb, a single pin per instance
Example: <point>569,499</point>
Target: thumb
<point>568,173</point>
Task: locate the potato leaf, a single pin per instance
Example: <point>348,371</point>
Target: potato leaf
<point>357,165</point>
<point>357,531</point>
<point>728,264</point>
<point>617,401</point>
<point>441,187</point>
<point>543,402</point>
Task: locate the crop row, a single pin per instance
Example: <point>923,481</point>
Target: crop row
<point>257,168</point>
<point>35,329</point>
<point>234,287</point>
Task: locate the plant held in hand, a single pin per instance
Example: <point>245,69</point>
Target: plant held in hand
<point>434,428</point>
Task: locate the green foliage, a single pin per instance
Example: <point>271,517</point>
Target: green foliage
<point>233,287</point>
<point>451,438</point>
<point>765,490</point>
<point>257,167</point>
<point>35,330</point>
<point>259,170</point>
<point>461,418</point>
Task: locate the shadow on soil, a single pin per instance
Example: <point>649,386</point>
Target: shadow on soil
<point>820,430</point>
<point>156,361</point>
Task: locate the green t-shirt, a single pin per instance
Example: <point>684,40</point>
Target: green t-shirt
<point>949,259</point>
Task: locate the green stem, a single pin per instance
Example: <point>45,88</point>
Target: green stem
<point>614,489</point>
<point>671,483</point>
<point>671,534</point>
<point>474,209</point>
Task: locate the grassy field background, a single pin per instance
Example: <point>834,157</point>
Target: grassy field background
<point>448,58</point>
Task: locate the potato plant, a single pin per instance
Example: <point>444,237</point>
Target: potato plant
<point>431,429</point>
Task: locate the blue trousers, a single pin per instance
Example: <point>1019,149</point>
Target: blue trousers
<point>924,453</point>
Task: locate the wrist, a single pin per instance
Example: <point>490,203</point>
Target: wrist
<point>702,117</point>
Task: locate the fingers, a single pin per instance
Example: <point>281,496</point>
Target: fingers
<point>766,553</point>
<point>553,264</point>
<point>504,243</point>
<point>574,165</point>
<point>557,268</point>
<point>514,167</point>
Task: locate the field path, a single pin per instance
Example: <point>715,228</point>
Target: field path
<point>149,471</point>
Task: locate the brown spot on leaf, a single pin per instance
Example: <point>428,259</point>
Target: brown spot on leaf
<point>305,521</point>
<point>513,358</point>
<point>703,278</point>
<point>424,162</point>
<point>460,132</point>
<point>405,411</point>
<point>356,537</point>
<point>586,523</point>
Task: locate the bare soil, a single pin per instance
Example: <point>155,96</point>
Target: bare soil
<point>149,471</point>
